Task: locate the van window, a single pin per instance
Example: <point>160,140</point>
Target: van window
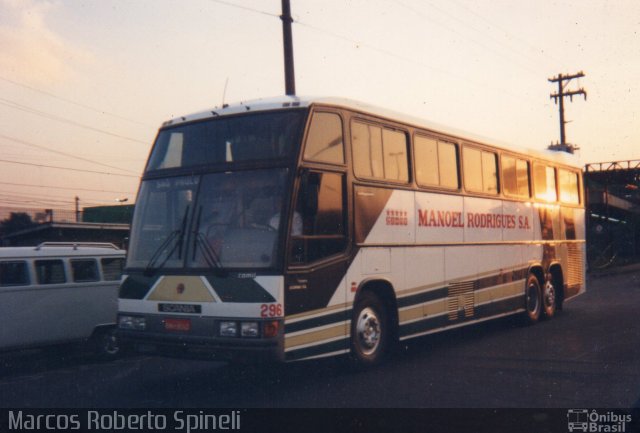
<point>84,270</point>
<point>112,268</point>
<point>13,274</point>
<point>50,272</point>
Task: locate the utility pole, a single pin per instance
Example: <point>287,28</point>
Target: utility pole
<point>559,99</point>
<point>77,209</point>
<point>289,77</point>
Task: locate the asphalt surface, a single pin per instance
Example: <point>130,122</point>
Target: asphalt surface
<point>587,356</point>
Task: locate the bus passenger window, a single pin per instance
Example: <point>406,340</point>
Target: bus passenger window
<point>436,163</point>
<point>367,150</point>
<point>324,142</point>
<point>480,171</point>
<point>84,270</point>
<point>515,174</point>
<point>568,187</point>
<point>321,206</point>
<point>13,274</point>
<point>394,144</point>
<point>544,182</point>
<point>50,272</point>
<point>379,153</point>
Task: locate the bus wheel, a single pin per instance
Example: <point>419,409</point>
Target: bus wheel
<point>533,299</point>
<point>549,299</point>
<point>369,330</point>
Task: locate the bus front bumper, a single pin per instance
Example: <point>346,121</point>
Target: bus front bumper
<point>202,340</point>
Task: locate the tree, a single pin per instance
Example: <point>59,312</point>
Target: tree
<point>16,221</point>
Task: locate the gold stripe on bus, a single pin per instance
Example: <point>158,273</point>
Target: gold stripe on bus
<point>318,312</point>
<point>181,288</point>
<point>410,314</point>
<point>419,289</point>
<point>435,308</point>
<point>316,336</point>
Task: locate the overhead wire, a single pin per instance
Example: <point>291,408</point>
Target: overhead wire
<point>66,188</point>
<point>67,168</point>
<point>70,101</point>
<point>466,26</point>
<point>246,8</point>
<point>37,146</point>
<point>30,110</point>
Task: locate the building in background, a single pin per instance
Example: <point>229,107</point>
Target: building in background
<point>30,227</point>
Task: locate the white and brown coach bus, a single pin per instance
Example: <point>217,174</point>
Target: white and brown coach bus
<point>294,228</point>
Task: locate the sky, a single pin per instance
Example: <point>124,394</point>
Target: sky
<point>85,84</point>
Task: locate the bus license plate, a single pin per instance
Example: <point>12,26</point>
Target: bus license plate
<point>177,325</point>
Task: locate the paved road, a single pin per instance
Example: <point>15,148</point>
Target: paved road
<point>588,356</point>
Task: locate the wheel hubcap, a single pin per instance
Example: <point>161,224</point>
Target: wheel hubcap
<point>368,329</point>
<point>532,299</point>
<point>549,294</point>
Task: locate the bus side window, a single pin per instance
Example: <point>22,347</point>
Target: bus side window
<point>50,272</point>
<point>379,153</point>
<point>480,171</point>
<point>436,162</point>
<point>568,182</point>
<point>112,268</point>
<point>545,182</point>
<point>13,274</point>
<point>321,206</point>
<point>324,142</point>
<point>515,174</point>
<point>84,270</point>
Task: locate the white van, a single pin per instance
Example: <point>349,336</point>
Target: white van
<point>59,293</point>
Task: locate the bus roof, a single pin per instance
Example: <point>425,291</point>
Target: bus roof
<point>287,102</point>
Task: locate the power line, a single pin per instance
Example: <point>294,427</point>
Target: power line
<point>413,61</point>
<point>69,101</point>
<point>466,26</point>
<point>66,188</point>
<point>257,11</point>
<point>37,146</point>
<point>30,110</point>
<point>67,168</point>
<point>523,41</point>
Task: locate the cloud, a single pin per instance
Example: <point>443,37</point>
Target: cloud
<point>31,50</point>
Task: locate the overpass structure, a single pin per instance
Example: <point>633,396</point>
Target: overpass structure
<point>613,209</point>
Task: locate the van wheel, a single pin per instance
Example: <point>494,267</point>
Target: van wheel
<point>533,300</point>
<point>549,299</point>
<point>106,343</point>
<point>369,330</point>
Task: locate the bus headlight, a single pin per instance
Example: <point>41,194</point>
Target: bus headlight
<point>132,322</point>
<point>249,329</point>
<point>228,329</point>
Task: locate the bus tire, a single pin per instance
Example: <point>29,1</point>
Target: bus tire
<point>549,299</point>
<point>370,330</point>
<point>532,300</point>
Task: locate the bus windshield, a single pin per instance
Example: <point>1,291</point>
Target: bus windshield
<point>247,137</point>
<point>227,220</point>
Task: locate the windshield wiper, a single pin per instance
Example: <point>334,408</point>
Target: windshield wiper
<point>209,254</point>
<point>150,269</point>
